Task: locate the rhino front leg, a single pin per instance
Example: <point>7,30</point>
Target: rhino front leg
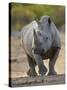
<point>52,62</point>
<point>39,61</point>
<point>31,72</point>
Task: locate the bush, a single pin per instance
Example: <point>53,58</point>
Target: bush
<point>22,14</point>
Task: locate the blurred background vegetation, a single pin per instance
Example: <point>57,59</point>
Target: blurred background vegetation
<point>22,14</point>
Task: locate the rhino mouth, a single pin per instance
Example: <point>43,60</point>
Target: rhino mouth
<point>39,51</point>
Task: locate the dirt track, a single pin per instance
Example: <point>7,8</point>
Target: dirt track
<point>19,64</point>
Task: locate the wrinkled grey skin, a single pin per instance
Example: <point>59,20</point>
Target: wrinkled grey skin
<point>41,41</point>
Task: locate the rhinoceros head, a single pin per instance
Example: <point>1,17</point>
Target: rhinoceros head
<point>43,36</point>
<point>42,42</point>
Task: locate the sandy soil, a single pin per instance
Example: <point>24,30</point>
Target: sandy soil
<point>19,64</point>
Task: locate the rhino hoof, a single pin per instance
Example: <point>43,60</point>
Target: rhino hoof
<point>31,73</point>
<point>52,73</point>
<point>42,70</point>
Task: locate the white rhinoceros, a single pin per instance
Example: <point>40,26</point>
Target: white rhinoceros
<point>41,40</point>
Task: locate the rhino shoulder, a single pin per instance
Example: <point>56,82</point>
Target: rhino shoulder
<point>57,39</point>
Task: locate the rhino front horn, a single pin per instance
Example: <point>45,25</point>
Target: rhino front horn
<point>49,20</point>
<point>34,32</point>
<point>35,36</point>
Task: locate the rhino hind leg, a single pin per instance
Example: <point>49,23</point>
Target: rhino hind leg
<point>31,72</point>
<point>53,61</point>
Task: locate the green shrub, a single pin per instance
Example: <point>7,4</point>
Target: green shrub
<point>22,14</point>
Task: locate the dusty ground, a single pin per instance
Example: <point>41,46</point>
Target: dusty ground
<point>19,64</point>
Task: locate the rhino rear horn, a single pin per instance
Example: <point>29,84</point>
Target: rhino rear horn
<point>49,20</point>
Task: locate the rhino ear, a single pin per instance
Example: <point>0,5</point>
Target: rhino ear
<point>49,20</point>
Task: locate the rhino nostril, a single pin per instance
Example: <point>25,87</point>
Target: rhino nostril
<point>46,38</point>
<point>42,50</point>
